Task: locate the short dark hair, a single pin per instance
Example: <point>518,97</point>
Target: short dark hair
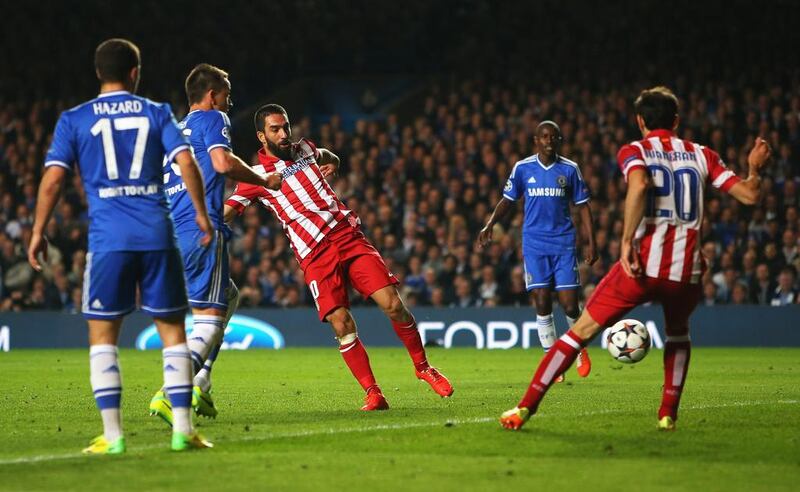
<point>266,110</point>
<point>658,107</point>
<point>552,124</point>
<point>114,59</point>
<point>203,78</point>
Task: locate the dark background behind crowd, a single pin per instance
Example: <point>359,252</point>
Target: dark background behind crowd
<point>424,170</point>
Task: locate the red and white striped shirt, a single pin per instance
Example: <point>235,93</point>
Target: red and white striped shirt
<point>668,235</point>
<point>306,205</point>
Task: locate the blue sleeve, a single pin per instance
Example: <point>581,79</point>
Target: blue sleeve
<point>580,192</point>
<point>62,148</point>
<point>218,131</point>
<point>513,190</point>
<point>171,137</point>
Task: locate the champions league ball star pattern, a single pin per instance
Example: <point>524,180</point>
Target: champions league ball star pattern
<point>628,341</point>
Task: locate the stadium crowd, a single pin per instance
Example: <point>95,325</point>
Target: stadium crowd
<point>423,187</point>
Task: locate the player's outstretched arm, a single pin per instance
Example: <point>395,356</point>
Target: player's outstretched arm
<point>635,199</point>
<point>587,223</point>
<point>227,163</point>
<point>748,191</point>
<point>193,179</point>
<point>328,162</point>
<point>500,211</point>
<point>49,192</point>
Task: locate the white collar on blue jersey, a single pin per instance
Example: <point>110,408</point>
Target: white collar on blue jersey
<point>546,168</point>
<point>113,93</point>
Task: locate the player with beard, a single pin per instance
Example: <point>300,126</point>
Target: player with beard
<point>332,251</point>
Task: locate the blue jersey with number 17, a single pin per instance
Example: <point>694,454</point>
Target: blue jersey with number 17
<point>206,131</point>
<point>548,191</point>
<point>118,142</point>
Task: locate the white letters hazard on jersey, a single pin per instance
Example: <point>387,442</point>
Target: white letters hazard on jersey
<point>668,236</point>
<point>306,205</point>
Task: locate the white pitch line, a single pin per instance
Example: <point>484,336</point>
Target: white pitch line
<point>385,427</point>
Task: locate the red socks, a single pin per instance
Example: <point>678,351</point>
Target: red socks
<point>408,334</point>
<point>555,362</point>
<point>356,358</point>
<point>676,364</point>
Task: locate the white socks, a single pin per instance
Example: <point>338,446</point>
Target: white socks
<point>107,387</point>
<point>206,331</point>
<point>547,330</point>
<point>178,384</point>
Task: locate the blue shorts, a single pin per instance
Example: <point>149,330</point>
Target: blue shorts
<point>551,271</point>
<point>206,268</point>
<point>111,277</point>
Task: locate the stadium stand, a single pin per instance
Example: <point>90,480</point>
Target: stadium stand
<point>424,178</point>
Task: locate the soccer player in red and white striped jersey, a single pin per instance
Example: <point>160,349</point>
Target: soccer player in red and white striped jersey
<point>660,256</point>
<point>332,251</point>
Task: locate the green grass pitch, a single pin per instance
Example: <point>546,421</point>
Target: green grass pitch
<point>289,420</point>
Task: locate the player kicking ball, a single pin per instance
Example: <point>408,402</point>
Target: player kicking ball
<point>332,251</point>
<point>212,295</point>
<point>549,183</point>
<point>118,142</point>
<point>660,256</point>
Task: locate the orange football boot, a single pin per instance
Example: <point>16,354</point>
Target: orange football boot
<point>375,400</point>
<point>437,380</point>
<point>515,418</point>
<point>584,364</point>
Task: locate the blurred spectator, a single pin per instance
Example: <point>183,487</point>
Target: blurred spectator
<point>423,184</point>
<point>786,293</point>
<point>709,294</point>
<point>762,287</point>
<point>739,295</point>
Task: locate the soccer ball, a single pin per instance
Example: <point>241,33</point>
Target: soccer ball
<point>628,341</point>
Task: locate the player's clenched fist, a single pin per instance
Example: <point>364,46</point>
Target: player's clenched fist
<point>274,181</point>
<point>759,155</point>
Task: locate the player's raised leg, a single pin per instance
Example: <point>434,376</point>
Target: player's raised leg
<point>404,324</point>
<point>106,379</point>
<point>555,362</point>
<point>356,358</point>
<point>614,297</point>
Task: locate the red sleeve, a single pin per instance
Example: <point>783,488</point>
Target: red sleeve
<point>313,147</point>
<point>630,157</point>
<point>243,195</point>
<point>720,176</point>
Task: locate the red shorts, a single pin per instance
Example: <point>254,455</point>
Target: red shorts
<point>617,294</point>
<point>344,257</point>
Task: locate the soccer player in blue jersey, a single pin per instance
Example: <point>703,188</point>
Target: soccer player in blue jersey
<point>212,295</point>
<point>117,143</point>
<point>549,183</point>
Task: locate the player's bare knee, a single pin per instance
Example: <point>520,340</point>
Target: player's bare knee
<point>342,322</point>
<point>396,309</point>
